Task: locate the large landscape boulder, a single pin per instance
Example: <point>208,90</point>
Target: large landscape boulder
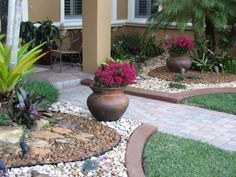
<point>9,140</point>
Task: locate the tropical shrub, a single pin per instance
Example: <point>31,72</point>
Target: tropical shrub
<point>43,88</point>
<point>150,49</point>
<point>46,32</point>
<point>115,74</point>
<point>225,62</point>
<point>180,45</point>
<point>206,16</point>
<point>25,108</point>
<point>25,59</point>
<point>118,50</point>
<point>28,32</point>
<point>134,46</point>
<point>126,46</point>
<point>205,59</point>
<point>39,32</point>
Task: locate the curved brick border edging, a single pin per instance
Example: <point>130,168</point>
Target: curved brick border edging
<point>134,150</point>
<point>170,97</point>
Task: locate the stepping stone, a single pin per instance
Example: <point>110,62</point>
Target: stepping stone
<point>46,135</point>
<point>84,137</point>
<point>60,130</point>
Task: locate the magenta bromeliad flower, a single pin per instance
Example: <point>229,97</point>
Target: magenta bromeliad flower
<point>115,74</point>
<point>180,45</point>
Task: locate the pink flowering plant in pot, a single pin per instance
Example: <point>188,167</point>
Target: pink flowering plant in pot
<point>115,74</point>
<point>108,101</point>
<point>180,45</point>
<point>179,48</point>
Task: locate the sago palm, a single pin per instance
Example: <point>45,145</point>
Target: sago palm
<point>25,59</point>
<point>207,16</point>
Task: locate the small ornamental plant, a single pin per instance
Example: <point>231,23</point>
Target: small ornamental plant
<point>180,45</point>
<point>113,74</point>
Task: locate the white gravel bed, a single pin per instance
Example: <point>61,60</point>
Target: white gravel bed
<point>111,164</point>
<point>144,81</point>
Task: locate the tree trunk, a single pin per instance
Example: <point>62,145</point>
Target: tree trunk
<point>16,33</point>
<point>10,22</point>
<point>210,34</point>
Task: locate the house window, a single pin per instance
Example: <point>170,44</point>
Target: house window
<point>73,9</point>
<point>144,8</point>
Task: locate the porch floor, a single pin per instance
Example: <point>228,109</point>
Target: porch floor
<point>68,77</point>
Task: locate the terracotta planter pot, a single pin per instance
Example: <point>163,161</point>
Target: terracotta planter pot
<point>175,63</point>
<point>107,104</point>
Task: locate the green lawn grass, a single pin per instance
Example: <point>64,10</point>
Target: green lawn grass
<point>224,102</point>
<point>170,156</point>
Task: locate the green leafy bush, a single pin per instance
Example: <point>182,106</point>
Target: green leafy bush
<point>225,62</point>
<point>150,49</point>
<point>42,88</point>
<point>134,46</point>
<point>205,59</point>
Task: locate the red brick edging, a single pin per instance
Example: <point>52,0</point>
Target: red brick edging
<point>170,97</point>
<point>134,150</point>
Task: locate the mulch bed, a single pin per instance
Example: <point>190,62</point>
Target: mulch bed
<point>86,138</point>
<point>193,77</point>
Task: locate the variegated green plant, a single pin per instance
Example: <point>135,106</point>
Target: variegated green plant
<point>25,59</point>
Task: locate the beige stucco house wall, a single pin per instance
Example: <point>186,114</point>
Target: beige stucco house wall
<point>39,10</point>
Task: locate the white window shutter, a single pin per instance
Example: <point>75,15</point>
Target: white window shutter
<point>144,8</point>
<point>73,9</point>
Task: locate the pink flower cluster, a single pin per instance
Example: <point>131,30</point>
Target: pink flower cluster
<point>180,45</point>
<point>115,74</point>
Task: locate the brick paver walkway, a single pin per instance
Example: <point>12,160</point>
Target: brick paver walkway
<point>213,127</point>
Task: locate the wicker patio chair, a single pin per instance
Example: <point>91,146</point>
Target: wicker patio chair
<point>60,52</point>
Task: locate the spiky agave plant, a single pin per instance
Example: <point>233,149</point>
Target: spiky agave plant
<point>25,59</point>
